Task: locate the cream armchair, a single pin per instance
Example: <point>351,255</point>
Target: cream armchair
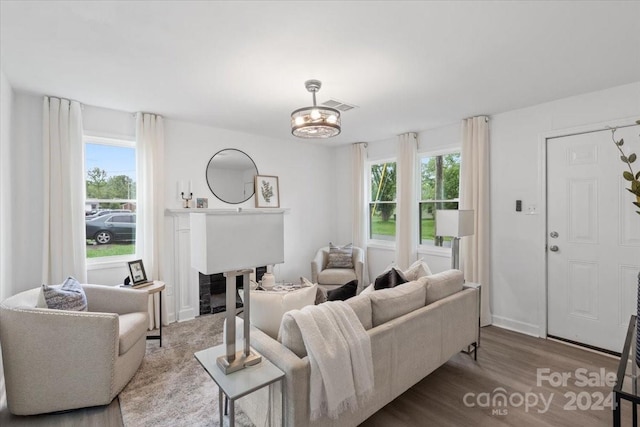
<point>330,278</point>
<point>57,360</point>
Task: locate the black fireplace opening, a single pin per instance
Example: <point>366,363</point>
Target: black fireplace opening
<point>213,295</point>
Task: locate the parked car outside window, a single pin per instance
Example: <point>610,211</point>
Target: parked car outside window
<point>97,214</point>
<point>112,227</point>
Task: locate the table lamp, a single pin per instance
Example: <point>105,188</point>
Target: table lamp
<point>456,224</point>
<point>233,243</point>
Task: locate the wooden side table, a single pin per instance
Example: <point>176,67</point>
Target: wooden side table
<point>156,287</point>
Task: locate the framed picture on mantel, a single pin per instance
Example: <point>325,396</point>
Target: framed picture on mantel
<point>267,192</point>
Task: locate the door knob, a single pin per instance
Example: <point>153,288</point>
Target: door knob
<point>554,234</point>
<point>554,248</point>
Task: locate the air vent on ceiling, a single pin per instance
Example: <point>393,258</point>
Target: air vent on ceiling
<point>339,105</point>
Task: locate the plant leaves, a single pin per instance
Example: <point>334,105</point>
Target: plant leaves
<point>638,175</point>
<point>636,203</point>
<point>624,159</point>
<point>621,142</point>
<point>628,176</point>
<point>635,185</point>
<point>638,122</point>
<point>632,157</point>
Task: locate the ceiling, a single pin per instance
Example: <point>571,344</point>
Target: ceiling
<point>408,66</point>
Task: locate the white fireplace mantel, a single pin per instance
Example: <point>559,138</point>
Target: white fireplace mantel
<point>185,278</point>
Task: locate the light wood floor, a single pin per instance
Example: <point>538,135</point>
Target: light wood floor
<point>506,359</point>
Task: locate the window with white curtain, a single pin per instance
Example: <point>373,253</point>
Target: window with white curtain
<point>439,189</point>
<point>382,201</point>
<point>110,198</point>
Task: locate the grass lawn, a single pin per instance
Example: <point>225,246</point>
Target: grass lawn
<point>96,251</point>
<point>388,228</point>
<point>380,227</point>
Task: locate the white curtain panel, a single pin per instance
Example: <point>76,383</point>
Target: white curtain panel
<point>474,194</point>
<point>7,287</point>
<point>359,213</point>
<point>406,207</point>
<point>64,240</point>
<point>150,207</point>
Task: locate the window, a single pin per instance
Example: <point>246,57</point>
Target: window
<point>439,189</point>
<point>382,202</point>
<point>110,204</point>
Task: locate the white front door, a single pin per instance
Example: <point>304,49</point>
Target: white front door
<point>593,238</point>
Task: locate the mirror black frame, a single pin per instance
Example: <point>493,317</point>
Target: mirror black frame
<point>206,175</point>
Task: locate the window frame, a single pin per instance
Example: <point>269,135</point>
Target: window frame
<point>385,244</point>
<point>443,251</point>
<point>113,261</point>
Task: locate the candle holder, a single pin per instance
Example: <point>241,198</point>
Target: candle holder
<point>186,199</point>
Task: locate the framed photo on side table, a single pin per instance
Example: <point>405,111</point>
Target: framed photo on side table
<point>267,192</point>
<point>137,273</point>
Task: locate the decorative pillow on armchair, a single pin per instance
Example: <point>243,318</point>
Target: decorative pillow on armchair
<point>69,296</point>
<point>340,257</point>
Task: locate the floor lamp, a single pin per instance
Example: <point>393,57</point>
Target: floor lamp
<point>456,224</point>
<point>234,242</point>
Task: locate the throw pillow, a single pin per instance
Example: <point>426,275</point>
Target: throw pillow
<point>70,296</point>
<point>344,292</point>
<point>267,307</point>
<point>389,279</point>
<point>321,294</point>
<point>417,270</point>
<point>340,257</point>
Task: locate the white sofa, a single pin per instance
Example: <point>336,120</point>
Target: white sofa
<point>56,360</point>
<point>414,329</point>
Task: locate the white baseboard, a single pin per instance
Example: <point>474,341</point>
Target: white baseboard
<point>186,314</point>
<point>516,326</point>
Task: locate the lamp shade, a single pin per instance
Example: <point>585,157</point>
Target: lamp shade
<point>454,223</point>
<point>230,240</point>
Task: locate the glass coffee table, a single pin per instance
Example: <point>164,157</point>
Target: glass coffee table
<point>627,378</point>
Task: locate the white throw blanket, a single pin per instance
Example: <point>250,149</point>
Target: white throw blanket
<point>339,352</point>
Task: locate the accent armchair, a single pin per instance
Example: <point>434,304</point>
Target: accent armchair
<point>331,278</point>
<point>56,360</point>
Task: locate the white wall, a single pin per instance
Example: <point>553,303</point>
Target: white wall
<point>516,173</point>
<point>305,180</point>
<point>6,113</point>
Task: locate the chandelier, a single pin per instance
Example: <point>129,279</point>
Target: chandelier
<point>315,122</point>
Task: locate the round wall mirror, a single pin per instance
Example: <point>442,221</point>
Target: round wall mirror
<point>230,175</point>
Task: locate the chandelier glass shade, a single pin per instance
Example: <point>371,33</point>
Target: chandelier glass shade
<point>315,121</point>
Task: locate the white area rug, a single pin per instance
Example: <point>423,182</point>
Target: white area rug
<point>171,388</point>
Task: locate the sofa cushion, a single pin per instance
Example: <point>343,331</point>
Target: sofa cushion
<point>387,304</point>
<point>291,337</point>
<point>443,284</point>
<point>340,257</point>
<point>389,279</point>
<point>69,296</point>
<point>267,307</point>
<point>344,292</point>
<point>336,276</point>
<point>367,290</point>
<point>417,270</point>
<point>132,327</point>
<point>362,306</point>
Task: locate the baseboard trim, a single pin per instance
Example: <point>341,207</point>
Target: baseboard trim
<point>516,326</point>
<point>187,314</point>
